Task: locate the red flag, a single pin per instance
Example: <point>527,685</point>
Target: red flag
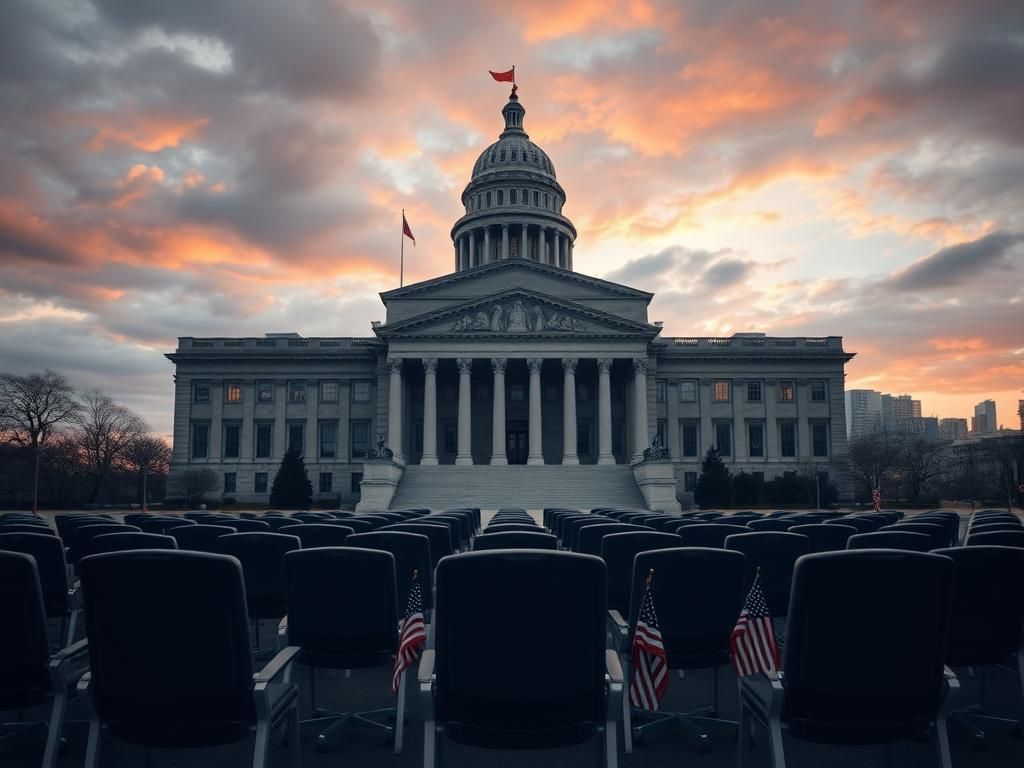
<point>504,77</point>
<point>405,229</point>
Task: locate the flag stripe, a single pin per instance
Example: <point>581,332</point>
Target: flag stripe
<point>752,641</point>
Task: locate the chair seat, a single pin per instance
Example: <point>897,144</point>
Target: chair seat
<point>513,738</point>
<point>322,660</point>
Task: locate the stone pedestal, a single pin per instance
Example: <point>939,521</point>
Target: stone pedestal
<point>657,482</point>
<point>380,481</point>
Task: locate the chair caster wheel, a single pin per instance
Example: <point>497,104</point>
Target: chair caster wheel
<point>322,745</point>
<point>704,745</point>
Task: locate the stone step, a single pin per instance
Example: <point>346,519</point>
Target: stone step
<point>531,487</point>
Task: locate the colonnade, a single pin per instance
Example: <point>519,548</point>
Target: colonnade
<point>464,455</point>
<point>475,245</point>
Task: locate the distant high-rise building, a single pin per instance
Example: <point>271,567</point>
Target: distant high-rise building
<point>863,412</point>
<point>952,429</point>
<point>985,417</point>
<point>1020,413</point>
<point>897,409</point>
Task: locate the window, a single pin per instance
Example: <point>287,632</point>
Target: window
<point>296,391</point>
<point>326,482</point>
<point>546,200</point>
<point>487,199</point>
<point>755,439</point>
<point>233,392</point>
<point>514,155</point>
<point>723,438</point>
<point>354,484</point>
<point>660,390</point>
<point>201,392</point>
<point>662,432</point>
<point>517,392</point>
<point>232,439</point>
<point>526,192</point>
<point>785,390</point>
<point>264,391</point>
<point>501,156</point>
<point>690,482</point>
<point>360,391</point>
<point>582,391</point>
<point>451,438</point>
<point>818,391</point>
<point>296,437</point>
<point>264,440</point>
<point>260,482</point>
<point>819,438</point>
<point>230,482</point>
<point>688,437</point>
<point>328,439</point>
<point>536,199</point>
<point>754,391</point>
<point>721,391</point>
<point>200,441</point>
<point>787,439</point>
<point>329,391</point>
<point>512,192</point>
<point>583,438</point>
<point>687,391</point>
<point>359,438</point>
<point>501,196</point>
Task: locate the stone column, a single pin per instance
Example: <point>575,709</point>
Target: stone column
<point>672,407</point>
<point>487,246</point>
<point>536,455</point>
<point>429,411</point>
<point>542,246</point>
<point>523,252</point>
<point>465,454</point>
<point>498,418</point>
<point>504,241</point>
<point>463,251</point>
<point>568,256</point>
<point>771,433</point>
<point>560,259</point>
<point>569,412</point>
<point>640,437</point>
<point>604,411</point>
<point>471,235</point>
<point>395,408</point>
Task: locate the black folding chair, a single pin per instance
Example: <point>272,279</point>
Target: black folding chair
<point>589,537</point>
<point>887,609</point>
<point>152,683</point>
<point>200,538</point>
<point>120,542</point>
<point>824,538</point>
<point>618,551</point>
<point>996,538</point>
<point>412,555</point>
<point>708,534</point>
<point>318,535</point>
<point>891,539</point>
<point>60,596</point>
<point>774,555</point>
<point>512,692</point>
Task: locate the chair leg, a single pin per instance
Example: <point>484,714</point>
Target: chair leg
<point>294,735</point>
<point>743,736</point>
<point>92,749</point>
<point>261,747</point>
<point>942,741</point>
<point>400,713</point>
<point>56,725</point>
<point>627,715</point>
<point>429,744</point>
<point>775,743</point>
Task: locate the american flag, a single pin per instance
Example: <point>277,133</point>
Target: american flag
<point>650,667</point>
<point>876,499</point>
<point>753,640</point>
<point>413,634</point>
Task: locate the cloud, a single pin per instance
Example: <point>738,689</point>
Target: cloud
<point>956,264</point>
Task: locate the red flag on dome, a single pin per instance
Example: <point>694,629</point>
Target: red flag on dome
<point>406,230</point>
<point>504,77</point>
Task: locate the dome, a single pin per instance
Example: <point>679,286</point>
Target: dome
<point>513,151</point>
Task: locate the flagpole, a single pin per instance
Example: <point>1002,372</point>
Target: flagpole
<point>401,262</point>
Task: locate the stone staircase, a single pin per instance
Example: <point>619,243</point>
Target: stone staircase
<point>530,487</point>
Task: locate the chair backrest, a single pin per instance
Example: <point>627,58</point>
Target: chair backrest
<point>618,551</point>
<point>698,594</point>
<point>169,646</point>
<point>986,624</point>
<point>119,542</point>
<point>861,523</point>
<point>242,525</point>
<point>866,644</point>
<point>938,534</point>
<point>262,557</point>
<point>154,524</point>
<point>769,524</point>
<point>514,540</point>
<point>24,648</point>
<point>996,538</point>
<point>892,539</point>
<point>200,538</point>
<point>708,534</point>
<point>458,523</point>
<point>318,535</point>
<point>81,540</point>
<point>411,552</point>
<point>277,522</point>
<point>500,527</point>
<point>774,553</point>
<point>51,567</point>
<point>1006,525</point>
<point>355,623</point>
<point>28,528</point>
<point>588,538</point>
<point>440,537</point>
<point>824,538</point>
<point>552,698</point>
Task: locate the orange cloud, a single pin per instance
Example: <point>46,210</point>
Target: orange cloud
<point>148,132</point>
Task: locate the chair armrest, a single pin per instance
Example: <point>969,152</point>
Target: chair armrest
<point>613,668</point>
<point>73,651</point>
<point>425,673</point>
<point>59,667</point>
<point>618,621</point>
<point>276,665</point>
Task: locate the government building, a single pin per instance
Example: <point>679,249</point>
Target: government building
<point>515,380</point>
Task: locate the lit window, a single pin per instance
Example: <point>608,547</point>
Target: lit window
<point>329,391</point>
<point>754,391</point>
<point>360,391</point>
<point>687,391</point>
<point>721,391</point>
<point>201,392</point>
<point>233,392</point>
<point>785,390</point>
<point>265,391</point>
<point>818,391</point>
<point>296,392</point>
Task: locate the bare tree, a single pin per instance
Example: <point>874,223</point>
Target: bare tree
<point>873,460</point>
<point>104,431</point>
<point>921,461</point>
<point>145,455</point>
<point>31,408</point>
<point>1007,453</point>
<point>194,484</point>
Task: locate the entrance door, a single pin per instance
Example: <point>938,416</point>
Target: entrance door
<point>517,444</point>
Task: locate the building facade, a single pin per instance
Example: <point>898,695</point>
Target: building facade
<point>514,360</point>
<point>984,419</point>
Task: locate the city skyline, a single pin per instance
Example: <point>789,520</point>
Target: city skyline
<point>792,169</point>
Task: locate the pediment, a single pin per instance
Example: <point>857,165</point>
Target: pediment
<point>516,313</point>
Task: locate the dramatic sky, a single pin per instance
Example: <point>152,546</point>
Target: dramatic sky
<point>233,167</point>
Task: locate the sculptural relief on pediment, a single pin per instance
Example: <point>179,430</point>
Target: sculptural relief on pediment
<point>517,317</point>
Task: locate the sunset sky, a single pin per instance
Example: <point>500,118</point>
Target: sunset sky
<point>236,167</point>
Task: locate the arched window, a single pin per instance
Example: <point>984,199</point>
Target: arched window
<point>512,197</point>
<point>488,200</point>
<point>526,192</point>
<point>514,156</point>
<point>477,207</point>
<point>502,155</point>
<point>533,157</point>
<point>536,199</point>
<point>501,197</point>
<point>492,155</point>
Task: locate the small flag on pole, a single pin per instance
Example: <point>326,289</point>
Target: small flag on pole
<point>406,230</point>
<point>876,499</point>
<point>650,666</point>
<point>753,639</point>
<point>504,77</point>
<point>413,633</point>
